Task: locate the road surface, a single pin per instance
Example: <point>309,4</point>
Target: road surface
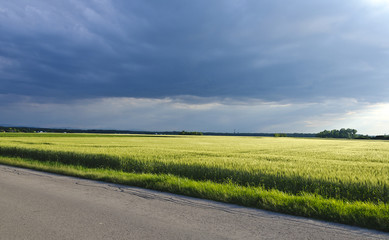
<point>37,205</point>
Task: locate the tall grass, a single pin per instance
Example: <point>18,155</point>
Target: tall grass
<point>342,170</point>
<point>290,183</point>
<point>349,170</point>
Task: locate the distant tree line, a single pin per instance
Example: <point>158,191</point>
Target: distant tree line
<point>383,137</point>
<point>280,135</point>
<point>191,133</point>
<point>16,129</point>
<point>342,133</point>
<point>349,133</point>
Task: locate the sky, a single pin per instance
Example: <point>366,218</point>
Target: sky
<point>220,65</point>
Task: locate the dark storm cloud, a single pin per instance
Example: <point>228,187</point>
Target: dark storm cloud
<point>270,50</point>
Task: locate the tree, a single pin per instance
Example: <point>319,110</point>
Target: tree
<point>280,135</point>
<point>342,133</point>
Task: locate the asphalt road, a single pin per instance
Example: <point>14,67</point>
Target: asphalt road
<point>36,205</point>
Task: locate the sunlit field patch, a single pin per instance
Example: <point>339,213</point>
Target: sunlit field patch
<point>354,173</point>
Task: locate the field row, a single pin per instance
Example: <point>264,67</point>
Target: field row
<point>340,169</point>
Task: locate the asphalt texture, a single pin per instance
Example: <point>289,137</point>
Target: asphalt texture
<point>38,205</point>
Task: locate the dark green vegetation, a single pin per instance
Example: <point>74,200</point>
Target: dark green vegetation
<point>280,135</point>
<point>342,133</point>
<point>338,180</point>
<point>348,133</point>
<point>190,133</point>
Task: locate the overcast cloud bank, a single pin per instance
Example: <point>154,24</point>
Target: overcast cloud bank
<point>267,66</point>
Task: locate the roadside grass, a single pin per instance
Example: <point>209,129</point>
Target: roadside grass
<point>289,180</point>
<point>363,214</point>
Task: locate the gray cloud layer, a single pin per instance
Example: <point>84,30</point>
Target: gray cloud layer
<point>270,50</point>
<point>209,115</point>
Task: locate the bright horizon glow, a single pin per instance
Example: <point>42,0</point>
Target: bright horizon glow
<point>378,2</point>
<point>176,114</point>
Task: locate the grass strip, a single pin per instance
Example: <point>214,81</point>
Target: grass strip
<point>293,184</point>
<point>363,214</point>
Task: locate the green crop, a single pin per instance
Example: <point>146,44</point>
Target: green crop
<point>345,170</point>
